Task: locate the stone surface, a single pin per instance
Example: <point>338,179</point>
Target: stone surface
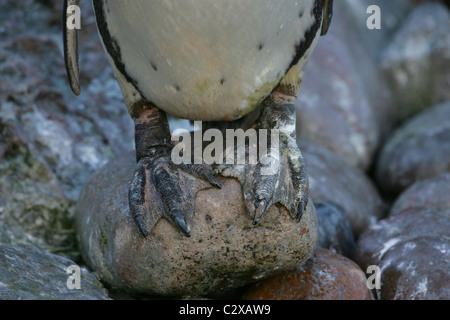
<point>51,141</point>
<point>335,112</point>
<point>429,193</point>
<point>393,14</point>
<point>419,149</point>
<point>224,251</point>
<point>33,209</point>
<point>344,104</point>
<point>417,61</point>
<point>335,230</point>
<point>412,250</point>
<point>30,273</point>
<point>332,179</point>
<point>326,276</point>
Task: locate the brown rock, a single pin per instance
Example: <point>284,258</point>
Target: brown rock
<point>326,276</point>
<point>332,179</point>
<point>412,250</point>
<point>225,249</point>
<point>429,193</point>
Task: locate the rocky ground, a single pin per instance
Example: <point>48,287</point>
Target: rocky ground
<point>373,126</point>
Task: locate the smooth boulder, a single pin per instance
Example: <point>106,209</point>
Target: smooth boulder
<point>225,250</point>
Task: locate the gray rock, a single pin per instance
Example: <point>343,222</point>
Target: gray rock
<point>335,230</point>
<point>429,193</point>
<point>30,273</point>
<point>51,141</point>
<point>333,179</point>
<point>344,104</point>
<point>393,14</point>
<point>417,150</point>
<point>224,251</point>
<point>33,209</point>
<point>417,61</point>
<point>412,250</point>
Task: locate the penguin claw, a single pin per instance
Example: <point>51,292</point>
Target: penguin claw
<point>175,191</point>
<point>180,222</point>
<point>206,174</point>
<point>301,209</point>
<point>260,210</point>
<point>288,186</point>
<point>140,224</point>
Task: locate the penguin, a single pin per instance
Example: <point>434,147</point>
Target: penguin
<point>218,62</point>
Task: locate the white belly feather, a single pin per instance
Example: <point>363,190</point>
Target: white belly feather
<point>207,59</point>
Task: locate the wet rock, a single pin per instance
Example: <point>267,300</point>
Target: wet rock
<point>326,276</point>
<point>417,61</point>
<point>30,273</point>
<point>332,179</point>
<point>224,251</point>
<point>412,250</point>
<point>419,149</point>
<point>335,230</point>
<point>430,193</point>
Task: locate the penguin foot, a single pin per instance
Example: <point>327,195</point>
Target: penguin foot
<point>279,176</point>
<point>176,187</point>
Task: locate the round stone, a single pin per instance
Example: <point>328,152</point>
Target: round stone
<point>419,149</point>
<point>335,229</point>
<point>411,250</point>
<point>225,250</point>
<point>333,179</point>
<point>326,276</point>
<point>429,193</point>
